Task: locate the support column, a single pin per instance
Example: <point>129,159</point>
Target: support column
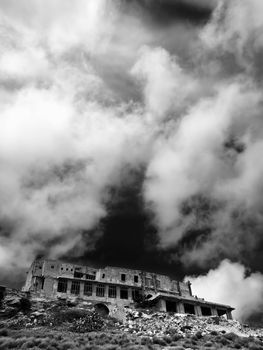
<point>198,311</point>
<point>229,315</point>
<point>94,285</point>
<point>214,311</point>
<point>118,292</point>
<point>106,293</point>
<point>129,293</point>
<point>81,289</point>
<point>180,308</point>
<point>69,287</point>
<point>162,305</point>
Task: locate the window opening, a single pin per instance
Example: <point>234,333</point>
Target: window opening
<point>78,274</point>
<point>88,288</point>
<point>124,293</point>
<point>90,277</point>
<point>100,290</point>
<point>171,306</point>
<point>62,285</point>
<point>75,287</point>
<point>189,309</point>
<point>112,292</point>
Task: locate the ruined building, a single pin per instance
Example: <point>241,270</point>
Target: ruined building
<point>112,287</point>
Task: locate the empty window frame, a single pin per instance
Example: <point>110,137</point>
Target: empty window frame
<point>87,288</point>
<point>206,311</point>
<point>123,277</point>
<point>171,306</point>
<point>112,292</point>
<point>100,290</point>
<point>189,308</point>
<point>90,277</point>
<point>75,287</point>
<point>221,312</point>
<point>136,279</point>
<point>124,293</point>
<point>62,285</point>
<point>78,274</point>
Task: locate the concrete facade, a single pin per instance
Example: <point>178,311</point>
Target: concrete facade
<point>117,287</point>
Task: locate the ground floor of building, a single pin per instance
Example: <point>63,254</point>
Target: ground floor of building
<point>120,295</point>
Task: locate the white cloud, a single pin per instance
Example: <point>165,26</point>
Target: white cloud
<point>25,65</point>
<point>231,284</point>
<point>189,160</point>
<point>63,138</point>
<point>162,79</point>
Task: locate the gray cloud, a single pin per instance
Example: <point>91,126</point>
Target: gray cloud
<point>90,89</point>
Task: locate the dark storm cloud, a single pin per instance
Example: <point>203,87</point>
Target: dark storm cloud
<point>128,238</point>
<point>166,12</point>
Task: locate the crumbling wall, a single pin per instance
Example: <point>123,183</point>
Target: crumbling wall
<point>184,289</point>
<point>35,270</point>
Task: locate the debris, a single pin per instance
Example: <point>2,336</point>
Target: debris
<point>161,323</point>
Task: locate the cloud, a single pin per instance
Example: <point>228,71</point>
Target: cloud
<point>190,159</point>
<point>235,29</point>
<point>64,139</point>
<point>162,79</point>
<point>93,89</point>
<point>207,150</point>
<point>233,285</point>
<point>57,165</point>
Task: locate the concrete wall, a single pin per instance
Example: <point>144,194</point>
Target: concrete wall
<point>184,289</point>
<point>36,269</point>
<point>51,285</point>
<point>113,275</point>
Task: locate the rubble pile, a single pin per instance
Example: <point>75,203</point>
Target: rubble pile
<point>147,323</point>
<point>18,312</point>
<point>80,322</point>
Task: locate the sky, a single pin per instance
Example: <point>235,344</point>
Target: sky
<point>131,135</point>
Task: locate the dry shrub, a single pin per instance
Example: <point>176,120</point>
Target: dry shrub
<point>3,332</point>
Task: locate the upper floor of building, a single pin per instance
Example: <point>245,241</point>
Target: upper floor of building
<point>108,275</point>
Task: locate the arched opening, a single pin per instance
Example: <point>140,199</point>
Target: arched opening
<point>102,309</point>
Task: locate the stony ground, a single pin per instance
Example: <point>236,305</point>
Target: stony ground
<point>62,326</point>
<point>45,338</point>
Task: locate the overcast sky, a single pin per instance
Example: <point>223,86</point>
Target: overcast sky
<point>131,134</point>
